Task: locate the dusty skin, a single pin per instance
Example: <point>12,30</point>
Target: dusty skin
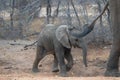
<point>16,63</point>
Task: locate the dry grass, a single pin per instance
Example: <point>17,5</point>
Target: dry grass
<point>22,61</point>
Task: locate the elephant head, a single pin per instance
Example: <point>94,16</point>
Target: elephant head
<point>68,40</point>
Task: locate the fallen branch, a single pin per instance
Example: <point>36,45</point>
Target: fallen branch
<point>26,46</point>
<point>15,44</point>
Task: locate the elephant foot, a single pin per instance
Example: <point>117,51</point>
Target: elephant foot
<point>55,70</point>
<point>112,73</point>
<point>68,67</point>
<point>35,70</point>
<point>63,75</point>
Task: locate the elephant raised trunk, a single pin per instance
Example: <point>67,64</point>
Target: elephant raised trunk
<point>89,28</point>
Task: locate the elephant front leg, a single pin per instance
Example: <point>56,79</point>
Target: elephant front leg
<point>60,56</point>
<point>69,58</point>
<point>55,64</point>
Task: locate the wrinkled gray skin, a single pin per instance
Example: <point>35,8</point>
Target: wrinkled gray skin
<point>58,40</point>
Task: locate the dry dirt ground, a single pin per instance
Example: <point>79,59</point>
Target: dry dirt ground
<point>16,63</point>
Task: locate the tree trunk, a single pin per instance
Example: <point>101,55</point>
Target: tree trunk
<point>11,14</point>
<point>113,61</point>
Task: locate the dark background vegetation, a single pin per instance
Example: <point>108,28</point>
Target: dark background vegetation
<point>23,19</point>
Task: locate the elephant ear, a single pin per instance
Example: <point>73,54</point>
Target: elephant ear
<point>62,35</point>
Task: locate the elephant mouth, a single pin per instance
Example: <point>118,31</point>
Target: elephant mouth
<point>76,46</point>
<point>79,47</point>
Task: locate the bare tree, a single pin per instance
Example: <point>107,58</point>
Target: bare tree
<point>113,61</point>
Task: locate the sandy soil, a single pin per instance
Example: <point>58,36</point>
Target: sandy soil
<point>16,63</point>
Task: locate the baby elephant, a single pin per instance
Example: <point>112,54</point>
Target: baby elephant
<point>59,41</point>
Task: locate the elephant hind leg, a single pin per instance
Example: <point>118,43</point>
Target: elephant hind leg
<point>40,53</point>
